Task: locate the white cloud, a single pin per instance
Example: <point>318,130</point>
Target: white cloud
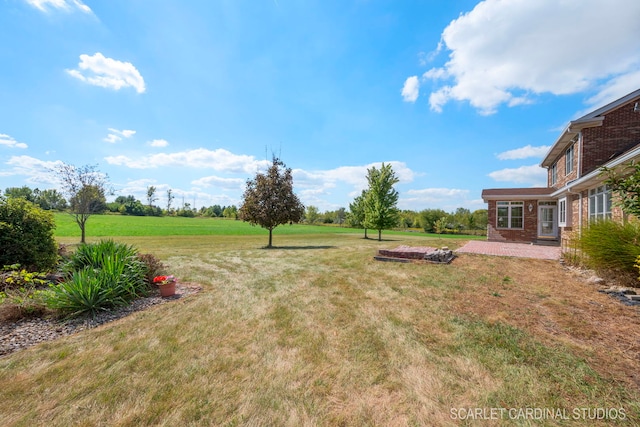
<point>116,135</point>
<point>411,89</point>
<point>112,139</point>
<point>66,5</point>
<point>447,199</point>
<point>533,175</point>
<point>100,71</point>
<point>158,143</point>
<point>215,181</point>
<point>219,160</point>
<point>524,152</point>
<point>37,171</point>
<point>10,142</point>
<point>508,51</point>
<point>356,176</point>
<point>615,89</point>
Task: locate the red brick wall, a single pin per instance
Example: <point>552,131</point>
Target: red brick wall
<point>619,132</point>
<point>561,165</point>
<point>528,234</point>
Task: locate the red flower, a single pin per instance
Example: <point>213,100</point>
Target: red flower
<point>163,280</point>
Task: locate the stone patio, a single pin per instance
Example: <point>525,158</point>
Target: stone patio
<point>521,250</point>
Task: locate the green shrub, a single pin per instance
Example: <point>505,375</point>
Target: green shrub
<point>118,259</point>
<point>100,276</point>
<point>26,235</point>
<point>611,246</point>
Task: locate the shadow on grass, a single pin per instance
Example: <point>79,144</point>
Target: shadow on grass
<point>299,247</point>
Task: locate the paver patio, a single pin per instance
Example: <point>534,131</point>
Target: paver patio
<point>521,250</point>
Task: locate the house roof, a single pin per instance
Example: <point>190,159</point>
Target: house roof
<point>517,193</point>
<point>593,119</point>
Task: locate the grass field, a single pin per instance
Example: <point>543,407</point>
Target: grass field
<point>315,332</point>
<point>99,226</point>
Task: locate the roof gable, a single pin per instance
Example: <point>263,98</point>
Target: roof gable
<point>592,119</point>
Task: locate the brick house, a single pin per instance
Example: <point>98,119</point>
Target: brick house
<point>575,193</point>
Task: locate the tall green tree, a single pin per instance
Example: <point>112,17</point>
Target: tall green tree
<point>24,192</point>
<point>381,201</point>
<point>356,215</point>
<point>269,200</point>
<point>429,217</point>
<point>480,218</point>
<point>230,212</point>
<point>312,215</point>
<point>86,188</point>
<point>170,198</point>
<point>340,216</point>
<point>151,195</point>
<point>50,200</point>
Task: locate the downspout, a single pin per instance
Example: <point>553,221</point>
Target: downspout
<point>579,166</point>
<point>578,175</point>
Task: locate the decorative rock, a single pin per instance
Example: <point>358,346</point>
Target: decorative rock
<point>440,256</point>
<point>619,290</point>
<point>595,280</point>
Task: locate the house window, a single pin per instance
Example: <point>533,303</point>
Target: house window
<point>599,203</point>
<point>554,173</point>
<point>510,214</point>
<point>568,160</point>
<point>563,213</point>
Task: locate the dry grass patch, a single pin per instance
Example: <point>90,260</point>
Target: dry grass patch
<point>316,332</point>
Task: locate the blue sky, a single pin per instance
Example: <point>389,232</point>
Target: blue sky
<point>196,96</point>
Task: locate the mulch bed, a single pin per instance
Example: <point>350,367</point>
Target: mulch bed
<point>28,331</point>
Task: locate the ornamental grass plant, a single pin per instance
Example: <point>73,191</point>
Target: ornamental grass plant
<point>100,276</point>
<point>611,246</point>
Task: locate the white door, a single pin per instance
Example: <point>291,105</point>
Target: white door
<point>547,225</point>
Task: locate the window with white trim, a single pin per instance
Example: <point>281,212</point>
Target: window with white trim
<point>568,160</point>
<point>563,213</point>
<point>599,203</point>
<point>554,173</point>
<point>510,215</point>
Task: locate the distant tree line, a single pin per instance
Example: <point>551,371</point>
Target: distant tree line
<point>461,221</point>
<point>53,200</point>
<point>48,200</point>
<point>84,189</point>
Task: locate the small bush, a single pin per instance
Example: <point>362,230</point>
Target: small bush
<point>13,277</point>
<point>154,266</point>
<point>21,293</point>
<point>26,235</point>
<point>611,246</point>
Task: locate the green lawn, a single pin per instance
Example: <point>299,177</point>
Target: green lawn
<point>122,225</point>
<point>316,332</point>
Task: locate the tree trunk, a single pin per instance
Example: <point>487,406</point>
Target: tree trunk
<point>365,233</point>
<point>81,224</point>
<point>270,237</point>
<point>379,235</point>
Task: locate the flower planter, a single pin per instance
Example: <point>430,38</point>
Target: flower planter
<point>167,289</point>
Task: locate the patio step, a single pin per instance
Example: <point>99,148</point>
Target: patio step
<point>547,241</point>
